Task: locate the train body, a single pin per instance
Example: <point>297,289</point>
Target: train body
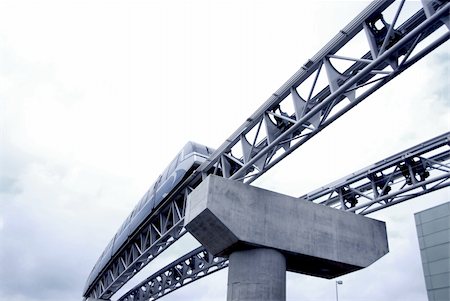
<point>186,161</point>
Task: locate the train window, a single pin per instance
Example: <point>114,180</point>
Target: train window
<point>133,212</point>
<point>196,148</point>
<point>107,248</point>
<point>143,201</point>
<point>137,207</point>
<point>155,187</point>
<point>125,223</point>
<point>121,228</point>
<point>202,150</point>
<point>209,150</point>
<point>164,175</point>
<point>182,154</point>
<point>173,165</point>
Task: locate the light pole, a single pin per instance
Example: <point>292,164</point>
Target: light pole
<point>338,282</point>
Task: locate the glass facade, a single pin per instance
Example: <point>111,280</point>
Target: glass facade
<point>433,231</point>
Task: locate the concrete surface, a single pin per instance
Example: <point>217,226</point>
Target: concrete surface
<point>228,216</point>
<point>257,275</point>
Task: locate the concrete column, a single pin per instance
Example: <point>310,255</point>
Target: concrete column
<point>257,275</point>
<point>266,233</point>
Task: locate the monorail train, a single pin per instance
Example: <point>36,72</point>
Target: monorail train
<point>187,160</point>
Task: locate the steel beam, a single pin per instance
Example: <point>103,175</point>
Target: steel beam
<point>273,132</point>
<point>188,268</point>
<point>380,185</point>
<point>162,229</point>
<point>418,170</point>
<point>284,131</point>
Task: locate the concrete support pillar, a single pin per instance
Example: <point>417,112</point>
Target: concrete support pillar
<point>265,234</point>
<point>257,275</point>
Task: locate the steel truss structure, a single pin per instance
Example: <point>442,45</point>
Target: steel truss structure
<point>408,174</point>
<point>289,118</point>
<point>163,228</point>
<point>187,269</point>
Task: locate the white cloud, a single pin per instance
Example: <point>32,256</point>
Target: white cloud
<point>96,97</point>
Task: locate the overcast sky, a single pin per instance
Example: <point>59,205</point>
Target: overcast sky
<point>96,98</point>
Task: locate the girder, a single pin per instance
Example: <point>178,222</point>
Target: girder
<point>408,174</point>
<point>413,172</point>
<point>276,129</point>
<point>189,268</point>
<point>163,228</point>
<point>287,119</point>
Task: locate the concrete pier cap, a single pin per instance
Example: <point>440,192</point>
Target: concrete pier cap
<point>226,216</point>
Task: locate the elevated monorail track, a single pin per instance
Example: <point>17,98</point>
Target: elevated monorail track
<point>418,170</point>
<point>288,119</point>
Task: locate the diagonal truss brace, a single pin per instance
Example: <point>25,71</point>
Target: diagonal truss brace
<point>187,269</point>
<point>162,229</point>
<point>253,148</point>
<point>413,172</point>
<point>277,132</point>
<point>408,174</point>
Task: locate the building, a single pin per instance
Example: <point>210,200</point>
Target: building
<point>433,231</point>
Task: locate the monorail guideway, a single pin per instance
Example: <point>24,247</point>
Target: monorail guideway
<point>375,187</point>
<point>273,132</point>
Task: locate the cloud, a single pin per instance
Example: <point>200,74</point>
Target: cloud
<point>97,97</point>
<point>54,227</point>
<point>8,185</point>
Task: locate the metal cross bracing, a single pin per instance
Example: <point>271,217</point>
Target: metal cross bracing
<point>406,175</point>
<point>189,268</point>
<point>289,118</point>
<point>413,172</point>
<point>163,228</point>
